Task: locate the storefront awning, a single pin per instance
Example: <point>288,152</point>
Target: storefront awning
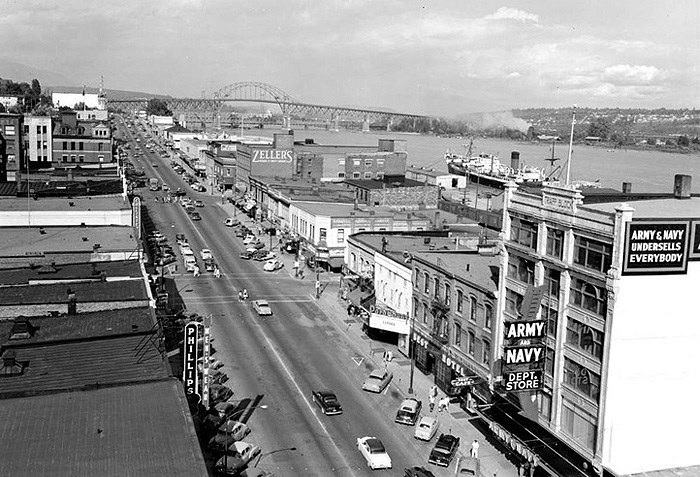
<point>525,436</point>
<point>362,299</point>
<point>336,262</point>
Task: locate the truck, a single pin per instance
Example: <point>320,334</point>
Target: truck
<point>153,184</point>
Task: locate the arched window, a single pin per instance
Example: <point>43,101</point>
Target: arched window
<point>472,308</point>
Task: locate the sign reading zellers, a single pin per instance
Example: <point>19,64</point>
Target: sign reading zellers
<point>273,155</point>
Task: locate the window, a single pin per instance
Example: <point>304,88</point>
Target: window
<point>380,162</point>
<point>65,145</point>
<point>38,129</point>
<point>486,353</point>
<point>9,130</point>
<point>100,146</point>
<point>458,335</point>
<point>579,424</point>
<point>584,338</point>
<point>72,145</point>
<point>341,235</point>
<point>514,302</point>
<point>436,288</point>
<point>341,162</point>
<point>81,146</point>
<point>552,279</point>
<point>64,158</point>
<point>72,158</point>
<point>341,175</point>
<point>426,281</point>
<point>521,269</point>
<point>425,313</point>
<point>589,297</point>
<point>81,158</point>
<point>460,298</point>
<point>472,308</point>
<point>380,175</point>
<point>471,339</point>
<point>592,254</point>
<point>555,243</point>
<point>353,259</point>
<point>448,295</point>
<point>488,316</point>
<point>356,162</point>
<point>355,175</point>
<point>544,405</point>
<point>549,361</point>
<point>582,379</point>
<point>368,162</point>
<point>523,232</point>
<point>322,233</point>
<point>101,158</point>
<point>43,129</point>
<point>368,175</point>
<point>551,316</point>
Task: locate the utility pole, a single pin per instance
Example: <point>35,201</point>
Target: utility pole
<point>571,145</point>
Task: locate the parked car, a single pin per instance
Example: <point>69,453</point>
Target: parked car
<point>444,450</point>
<point>166,187</point>
<point>228,433</point>
<point>468,467</point>
<point>262,307</point>
<point>249,239</point>
<point>377,380</point>
<point>225,409</point>
<point>209,265</point>
<point>374,453</point>
<point>195,216</point>
<point>246,255</point>
<point>327,401</point>
<point>427,427</point>
<point>198,203</point>
<point>272,265</point>
<point>220,393</point>
<point>231,222</point>
<point>416,471</point>
<point>264,257</point>
<point>199,187</point>
<point>409,411</point>
<point>239,454</point>
<point>206,254</point>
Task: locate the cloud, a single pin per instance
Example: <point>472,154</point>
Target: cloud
<point>506,13</point>
<point>632,74</point>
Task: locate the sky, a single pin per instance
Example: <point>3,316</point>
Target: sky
<point>437,57</point>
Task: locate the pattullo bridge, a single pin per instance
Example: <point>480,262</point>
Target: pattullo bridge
<point>218,107</point>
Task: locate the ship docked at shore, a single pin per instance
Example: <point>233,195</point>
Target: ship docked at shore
<point>488,170</point>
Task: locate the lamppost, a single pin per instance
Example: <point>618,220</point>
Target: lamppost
<point>237,413</point>
<point>273,452</point>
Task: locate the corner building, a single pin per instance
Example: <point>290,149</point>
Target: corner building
<point>622,340</point>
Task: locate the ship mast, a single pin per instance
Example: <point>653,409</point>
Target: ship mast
<point>571,145</point>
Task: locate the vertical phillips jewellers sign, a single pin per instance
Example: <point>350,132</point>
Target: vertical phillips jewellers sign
<point>656,247</point>
<point>190,379</point>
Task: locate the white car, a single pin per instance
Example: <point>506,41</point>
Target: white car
<point>231,222</point>
<point>206,254</point>
<point>272,265</point>
<point>239,454</point>
<point>186,251</point>
<point>427,427</point>
<point>249,239</point>
<point>374,453</point>
<point>262,307</point>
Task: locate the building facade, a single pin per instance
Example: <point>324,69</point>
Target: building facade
<point>11,146</point>
<point>80,142</point>
<point>275,160</point>
<point>38,141</point>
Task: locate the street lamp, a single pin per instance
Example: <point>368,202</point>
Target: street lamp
<point>273,452</point>
<point>237,413</point>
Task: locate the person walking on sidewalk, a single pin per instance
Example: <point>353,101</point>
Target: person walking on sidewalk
<point>296,267</point>
<point>431,399</point>
<point>217,272</point>
<point>474,451</point>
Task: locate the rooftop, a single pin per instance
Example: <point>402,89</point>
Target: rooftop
<point>428,172</point>
<point>26,241</point>
<point>90,271</point>
<point>385,184</point>
<point>63,204</point>
<point>85,292</point>
<point>667,208</point>
<point>349,210</point>
<point>141,430</point>
<point>471,267</point>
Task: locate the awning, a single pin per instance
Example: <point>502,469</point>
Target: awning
<point>526,437</point>
<point>336,262</point>
<point>361,299</point>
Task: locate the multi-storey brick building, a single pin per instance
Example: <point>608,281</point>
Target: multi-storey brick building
<point>11,146</point>
<point>38,141</point>
<point>80,142</point>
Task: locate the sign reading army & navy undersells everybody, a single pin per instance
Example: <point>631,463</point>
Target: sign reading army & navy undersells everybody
<point>656,247</point>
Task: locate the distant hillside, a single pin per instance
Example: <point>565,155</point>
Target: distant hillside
<point>111,93</point>
<point>20,73</point>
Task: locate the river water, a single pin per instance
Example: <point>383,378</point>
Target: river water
<point>648,171</point>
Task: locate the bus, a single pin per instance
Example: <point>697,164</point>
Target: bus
<point>153,184</point>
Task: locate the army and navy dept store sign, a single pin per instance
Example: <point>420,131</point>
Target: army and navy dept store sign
<point>660,247</point>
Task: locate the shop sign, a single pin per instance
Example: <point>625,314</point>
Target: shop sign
<point>514,443</point>
<point>190,378</point>
<point>387,312</point>
<point>136,214</point>
<point>389,323</point>
<point>525,329</point>
<point>530,380</point>
<point>558,202</point>
<point>655,247</point>
<point>272,155</point>
<point>694,240</point>
<point>524,354</point>
<point>205,367</point>
<point>462,381</point>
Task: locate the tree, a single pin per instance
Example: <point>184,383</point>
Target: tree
<point>683,141</point>
<point>158,107</point>
<point>599,127</point>
<point>36,88</point>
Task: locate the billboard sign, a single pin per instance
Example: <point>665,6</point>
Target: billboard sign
<point>530,380</point>
<point>272,155</point>
<point>656,247</point>
<point>525,330</point>
<point>205,366</point>
<point>694,240</point>
<point>190,378</point>
<point>524,354</point>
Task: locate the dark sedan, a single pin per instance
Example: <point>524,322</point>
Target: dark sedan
<point>327,401</point>
<point>417,472</point>
<point>444,450</point>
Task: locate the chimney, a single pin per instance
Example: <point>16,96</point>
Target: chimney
<point>355,206</point>
<point>72,305</point>
<point>681,186</point>
<point>384,244</point>
<point>515,160</point>
<point>437,218</point>
<point>626,187</point>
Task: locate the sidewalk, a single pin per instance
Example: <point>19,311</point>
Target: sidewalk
<point>455,421</point>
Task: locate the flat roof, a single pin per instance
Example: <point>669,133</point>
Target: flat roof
<point>85,292</point>
<point>473,267</point>
<point>429,172</point>
<point>25,241</point>
<point>62,204</point>
<point>378,184</point>
<point>141,430</point>
<point>667,208</point>
<point>91,271</point>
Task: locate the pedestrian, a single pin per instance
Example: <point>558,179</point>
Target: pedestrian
<point>217,272</point>
<point>444,404</point>
<point>296,267</point>
<point>196,270</point>
<point>389,356</point>
<point>431,399</point>
<point>474,451</point>
<point>434,391</point>
<point>240,295</point>
<point>245,294</point>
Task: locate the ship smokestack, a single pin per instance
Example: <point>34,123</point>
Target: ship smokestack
<point>515,160</point>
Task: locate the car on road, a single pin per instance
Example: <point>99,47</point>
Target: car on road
<point>427,427</point>
<point>225,409</point>
<point>468,467</point>
<point>377,380</point>
<point>231,222</point>
<point>444,450</point>
<point>198,203</point>
<point>209,265</point>
<point>181,239</point>
<point>249,239</point>
<point>327,401</point>
<point>228,433</point>
<point>246,255</point>
<point>166,187</point>
<point>195,216</point>
<point>409,411</point>
<point>416,471</point>
<point>272,265</point>
<point>262,307</point>
<point>206,254</point>
<point>374,453</point>
<point>199,187</point>
<point>154,164</point>
<point>239,454</point>
<point>264,257</point>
